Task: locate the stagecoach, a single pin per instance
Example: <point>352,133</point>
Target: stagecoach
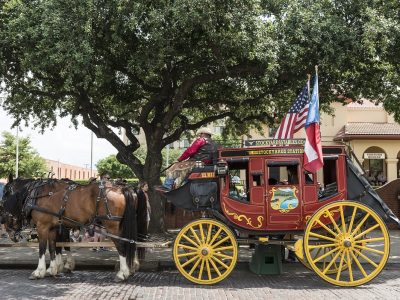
<point>333,219</point>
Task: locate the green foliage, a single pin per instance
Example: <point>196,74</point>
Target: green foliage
<point>173,155</point>
<point>166,68</point>
<point>30,164</point>
<point>114,168</point>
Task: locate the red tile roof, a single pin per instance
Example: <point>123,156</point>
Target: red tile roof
<point>371,130</point>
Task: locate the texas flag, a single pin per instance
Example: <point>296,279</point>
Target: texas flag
<point>313,160</point>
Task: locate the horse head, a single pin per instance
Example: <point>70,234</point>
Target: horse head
<point>14,195</point>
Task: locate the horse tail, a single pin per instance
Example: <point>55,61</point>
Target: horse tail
<point>141,221</point>
<point>129,226</point>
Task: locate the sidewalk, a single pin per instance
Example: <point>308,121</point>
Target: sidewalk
<point>156,259</point>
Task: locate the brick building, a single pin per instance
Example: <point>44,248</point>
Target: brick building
<point>62,170</point>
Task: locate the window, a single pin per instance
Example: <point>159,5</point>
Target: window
<point>283,173</point>
<point>272,131</point>
<point>308,177</point>
<point>219,130</point>
<point>238,179</point>
<point>183,144</point>
<point>257,179</point>
<point>327,178</point>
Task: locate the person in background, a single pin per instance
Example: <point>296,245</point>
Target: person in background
<point>202,149</point>
<point>320,190</point>
<point>3,228</point>
<point>381,178</point>
<point>105,176</point>
<point>144,203</point>
<point>75,235</point>
<point>233,189</point>
<point>91,235</point>
<point>144,212</point>
<point>272,181</point>
<point>372,179</point>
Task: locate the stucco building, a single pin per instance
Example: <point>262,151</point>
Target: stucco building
<point>370,131</point>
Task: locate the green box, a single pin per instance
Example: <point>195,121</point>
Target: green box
<point>267,260</point>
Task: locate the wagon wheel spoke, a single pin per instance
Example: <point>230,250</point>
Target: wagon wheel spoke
<point>202,233</point>
<point>209,233</point>
<point>325,255</point>
<point>340,266</point>
<point>326,228</point>
<point>190,261</point>
<point>201,268</point>
<point>223,255</point>
<point>195,265</point>
<point>356,260</point>
<point>333,261</point>
<point>366,231</point>
<point>195,235</point>
<point>190,240</point>
<point>187,254</point>
<point>366,258</point>
<point>352,218</point>
<point>369,240</point>
<point>208,270</point>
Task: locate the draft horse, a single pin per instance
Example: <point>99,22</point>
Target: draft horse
<point>51,204</point>
<point>15,222</point>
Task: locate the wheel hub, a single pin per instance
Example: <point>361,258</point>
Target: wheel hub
<point>347,243</point>
<point>204,251</point>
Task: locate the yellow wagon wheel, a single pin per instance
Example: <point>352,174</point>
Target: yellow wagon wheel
<point>205,251</point>
<point>356,242</point>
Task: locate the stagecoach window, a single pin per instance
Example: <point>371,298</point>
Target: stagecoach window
<point>238,176</point>
<point>308,178</point>
<point>284,172</point>
<point>327,177</point>
<point>256,179</point>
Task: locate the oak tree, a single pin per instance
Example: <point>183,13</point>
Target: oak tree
<point>169,67</point>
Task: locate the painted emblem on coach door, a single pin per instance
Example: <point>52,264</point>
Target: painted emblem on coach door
<point>284,199</point>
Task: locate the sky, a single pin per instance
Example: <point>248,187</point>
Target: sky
<point>63,143</point>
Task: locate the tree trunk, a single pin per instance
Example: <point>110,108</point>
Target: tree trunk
<point>151,174</point>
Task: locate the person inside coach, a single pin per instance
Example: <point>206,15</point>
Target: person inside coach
<point>202,149</point>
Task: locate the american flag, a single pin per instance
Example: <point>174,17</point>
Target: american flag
<point>296,118</point>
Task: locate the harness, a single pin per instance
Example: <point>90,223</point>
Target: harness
<point>30,205</point>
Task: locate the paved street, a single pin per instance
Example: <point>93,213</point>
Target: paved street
<point>160,280</point>
<point>295,282</point>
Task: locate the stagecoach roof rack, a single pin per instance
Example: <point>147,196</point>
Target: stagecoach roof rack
<point>274,142</point>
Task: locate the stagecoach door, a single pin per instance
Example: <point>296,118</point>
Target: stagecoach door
<point>283,194</point>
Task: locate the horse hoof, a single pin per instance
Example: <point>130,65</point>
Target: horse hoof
<point>34,277</point>
<point>118,280</point>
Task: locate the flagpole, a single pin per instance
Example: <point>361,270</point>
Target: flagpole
<point>308,86</point>
<point>316,74</point>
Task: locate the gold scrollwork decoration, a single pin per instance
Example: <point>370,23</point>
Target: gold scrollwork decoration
<point>242,218</point>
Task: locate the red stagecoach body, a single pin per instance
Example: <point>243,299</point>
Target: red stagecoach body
<point>262,194</point>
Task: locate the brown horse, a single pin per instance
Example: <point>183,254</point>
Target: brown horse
<point>51,203</point>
